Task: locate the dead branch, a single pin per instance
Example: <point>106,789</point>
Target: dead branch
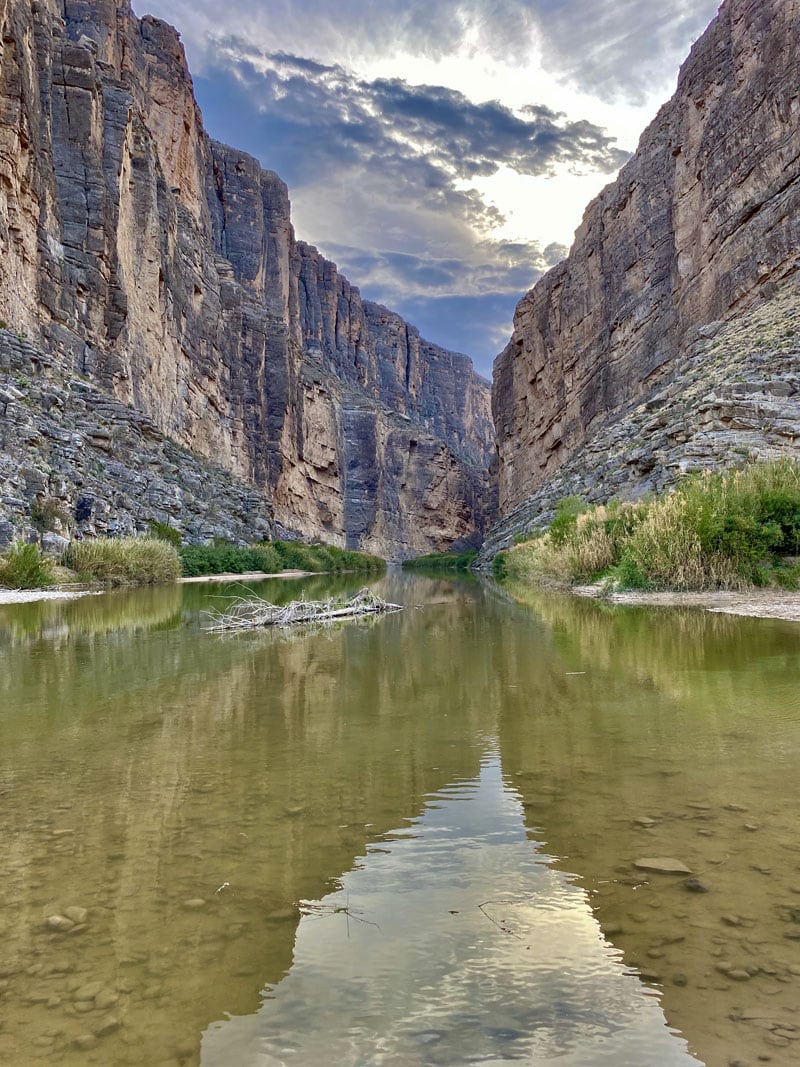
<point>255,612</point>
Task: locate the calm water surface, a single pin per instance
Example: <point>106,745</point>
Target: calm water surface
<point>405,841</point>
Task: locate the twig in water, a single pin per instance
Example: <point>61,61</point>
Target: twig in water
<point>308,908</point>
<point>500,925</point>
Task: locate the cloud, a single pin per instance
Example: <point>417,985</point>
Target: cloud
<point>379,173</point>
<point>620,49</point>
<point>502,29</point>
<point>615,48</point>
<point>320,114</point>
<point>477,325</point>
<point>463,304</point>
<point>494,267</point>
<point>383,172</point>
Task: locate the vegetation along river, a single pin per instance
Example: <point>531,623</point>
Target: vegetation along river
<point>408,841</point>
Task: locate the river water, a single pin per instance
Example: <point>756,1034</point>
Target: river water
<point>404,841</point>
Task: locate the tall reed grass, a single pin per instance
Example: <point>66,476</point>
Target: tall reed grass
<point>124,560</point>
<point>724,529</point>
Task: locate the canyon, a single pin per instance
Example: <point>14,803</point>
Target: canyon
<point>160,267</point>
<point>160,319</point>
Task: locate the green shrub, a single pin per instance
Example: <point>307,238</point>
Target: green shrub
<point>269,560</point>
<point>565,520</point>
<point>218,558</point>
<point>272,557</point>
<point>124,560</point>
<point>726,529</point>
<point>442,561</point>
<point>500,566</point>
<point>162,531</point>
<point>24,567</point>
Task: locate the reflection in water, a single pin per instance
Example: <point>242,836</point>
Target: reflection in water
<point>452,942</point>
<point>187,791</point>
<point>674,733</point>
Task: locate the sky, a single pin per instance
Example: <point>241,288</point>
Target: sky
<point>441,152</point>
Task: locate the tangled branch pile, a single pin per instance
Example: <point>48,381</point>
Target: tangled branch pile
<point>252,613</point>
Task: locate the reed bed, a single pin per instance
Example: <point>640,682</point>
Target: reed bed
<point>124,560</point>
<point>729,529</point>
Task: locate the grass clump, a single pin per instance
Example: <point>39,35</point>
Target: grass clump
<point>273,557</point>
<point>726,529</point>
<point>124,560</point>
<point>442,561</point>
<point>162,531</point>
<point>24,567</point>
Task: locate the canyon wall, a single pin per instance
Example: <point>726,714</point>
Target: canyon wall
<point>702,225</point>
<point>163,268</point>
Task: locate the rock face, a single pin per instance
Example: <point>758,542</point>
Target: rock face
<point>164,268</point>
<point>702,224</point>
<point>74,461</point>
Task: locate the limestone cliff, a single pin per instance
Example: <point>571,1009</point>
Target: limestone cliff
<point>701,225</point>
<point>163,267</point>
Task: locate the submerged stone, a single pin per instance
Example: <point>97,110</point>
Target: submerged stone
<point>661,865</point>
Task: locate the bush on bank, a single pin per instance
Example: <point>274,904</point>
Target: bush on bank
<point>272,557</point>
<point>441,561</point>
<point>724,529</point>
<point>124,560</point>
<point>24,567</point>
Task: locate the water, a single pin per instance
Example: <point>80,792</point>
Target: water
<point>408,840</point>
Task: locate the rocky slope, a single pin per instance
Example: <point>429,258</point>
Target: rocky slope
<point>702,225</point>
<point>163,267</point>
<point>73,460</point>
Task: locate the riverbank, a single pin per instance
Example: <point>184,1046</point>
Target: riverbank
<point>26,596</point>
<point>755,603</point>
<point>249,576</point>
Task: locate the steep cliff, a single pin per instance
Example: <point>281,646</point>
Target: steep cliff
<point>164,267</point>
<point>702,224</point>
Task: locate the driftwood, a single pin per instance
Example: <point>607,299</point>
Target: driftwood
<point>254,612</point>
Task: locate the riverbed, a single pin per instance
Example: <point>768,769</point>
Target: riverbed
<point>410,840</point>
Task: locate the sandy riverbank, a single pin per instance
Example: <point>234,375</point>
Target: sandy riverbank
<point>756,603</point>
<point>250,576</point>
<point>27,596</point>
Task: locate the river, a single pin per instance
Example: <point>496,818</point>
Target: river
<point>410,840</point>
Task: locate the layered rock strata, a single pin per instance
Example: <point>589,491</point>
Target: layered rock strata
<point>733,395</point>
<point>163,267</point>
<point>702,223</point>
